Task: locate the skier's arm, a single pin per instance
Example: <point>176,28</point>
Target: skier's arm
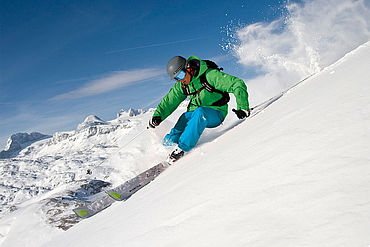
<point>230,84</point>
<point>170,102</point>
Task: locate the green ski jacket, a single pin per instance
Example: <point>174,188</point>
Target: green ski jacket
<point>217,79</point>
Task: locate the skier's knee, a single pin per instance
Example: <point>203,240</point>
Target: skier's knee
<point>200,113</point>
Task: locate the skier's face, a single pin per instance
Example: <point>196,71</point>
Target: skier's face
<point>187,78</point>
<point>186,75</point>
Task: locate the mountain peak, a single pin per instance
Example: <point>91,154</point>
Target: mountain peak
<point>130,112</point>
<point>89,121</point>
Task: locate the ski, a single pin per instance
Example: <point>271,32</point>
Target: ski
<point>121,192</point>
<point>127,189</point>
<point>90,209</point>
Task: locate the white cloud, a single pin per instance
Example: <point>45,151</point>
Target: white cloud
<point>110,82</point>
<point>311,36</point>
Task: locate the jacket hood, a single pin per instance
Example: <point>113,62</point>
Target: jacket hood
<point>202,66</point>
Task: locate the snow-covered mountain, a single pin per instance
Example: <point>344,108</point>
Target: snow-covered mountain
<point>296,174</point>
<point>19,141</point>
<point>40,163</point>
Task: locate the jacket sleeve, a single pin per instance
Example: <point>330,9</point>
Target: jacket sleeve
<point>230,84</point>
<point>170,102</point>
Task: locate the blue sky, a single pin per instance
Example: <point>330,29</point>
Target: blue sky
<point>61,61</point>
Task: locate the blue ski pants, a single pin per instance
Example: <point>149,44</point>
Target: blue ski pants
<point>191,125</point>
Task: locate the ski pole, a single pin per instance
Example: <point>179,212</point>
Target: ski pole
<point>89,171</point>
<point>283,92</point>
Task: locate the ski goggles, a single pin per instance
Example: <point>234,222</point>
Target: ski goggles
<point>180,76</point>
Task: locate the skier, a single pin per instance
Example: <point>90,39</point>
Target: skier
<point>208,89</point>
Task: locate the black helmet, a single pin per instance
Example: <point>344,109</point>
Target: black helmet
<point>175,65</point>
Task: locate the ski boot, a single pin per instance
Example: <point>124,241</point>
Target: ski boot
<point>176,155</point>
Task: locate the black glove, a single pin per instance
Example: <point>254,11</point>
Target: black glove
<point>155,121</point>
<point>242,113</point>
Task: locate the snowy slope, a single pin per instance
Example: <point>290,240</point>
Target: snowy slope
<point>296,174</point>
